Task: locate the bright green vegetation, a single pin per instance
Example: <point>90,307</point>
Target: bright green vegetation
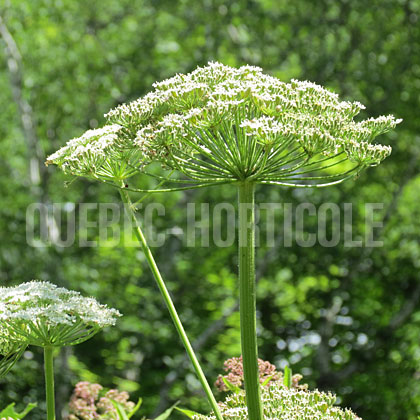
<point>81,59</point>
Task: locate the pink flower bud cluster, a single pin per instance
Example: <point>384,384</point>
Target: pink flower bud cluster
<point>267,371</point>
<point>91,401</point>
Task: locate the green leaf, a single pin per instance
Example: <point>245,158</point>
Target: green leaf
<point>9,411</point>
<point>287,377</point>
<point>122,415</point>
<point>233,388</point>
<point>188,413</point>
<point>28,408</point>
<point>135,409</point>
<point>267,380</point>
<point>167,413</point>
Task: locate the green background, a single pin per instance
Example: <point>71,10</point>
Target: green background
<point>347,318</point>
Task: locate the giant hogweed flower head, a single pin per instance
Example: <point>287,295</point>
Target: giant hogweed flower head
<point>220,123</point>
<point>42,314</point>
<point>282,403</point>
<point>225,124</point>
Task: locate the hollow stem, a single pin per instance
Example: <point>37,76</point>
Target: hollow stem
<point>248,299</point>
<point>49,382</point>
<point>169,304</point>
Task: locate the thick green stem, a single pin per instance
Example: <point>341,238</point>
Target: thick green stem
<point>248,300</point>
<point>169,304</point>
<point>49,382</point>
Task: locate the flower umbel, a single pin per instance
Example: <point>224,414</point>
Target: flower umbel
<point>42,314</point>
<point>282,403</point>
<point>224,124</point>
<point>97,154</point>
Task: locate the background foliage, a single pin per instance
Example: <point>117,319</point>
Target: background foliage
<point>347,318</point>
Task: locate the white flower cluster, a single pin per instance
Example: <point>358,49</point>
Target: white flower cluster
<point>92,143</point>
<point>41,313</point>
<point>98,153</point>
<point>219,98</point>
<point>268,129</point>
<point>282,403</point>
<point>160,138</point>
<point>251,126</point>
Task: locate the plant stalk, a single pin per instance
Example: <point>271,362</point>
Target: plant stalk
<point>169,304</point>
<point>247,306</point>
<point>49,382</point>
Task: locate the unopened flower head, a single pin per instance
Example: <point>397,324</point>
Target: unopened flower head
<point>225,124</point>
<point>42,314</point>
<point>267,374</point>
<point>280,402</point>
<point>91,401</point>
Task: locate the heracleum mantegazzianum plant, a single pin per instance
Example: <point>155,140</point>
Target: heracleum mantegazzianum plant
<point>223,125</point>
<point>44,315</point>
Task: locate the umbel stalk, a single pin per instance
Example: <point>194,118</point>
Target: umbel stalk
<point>49,382</point>
<point>169,304</point>
<point>248,299</point>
